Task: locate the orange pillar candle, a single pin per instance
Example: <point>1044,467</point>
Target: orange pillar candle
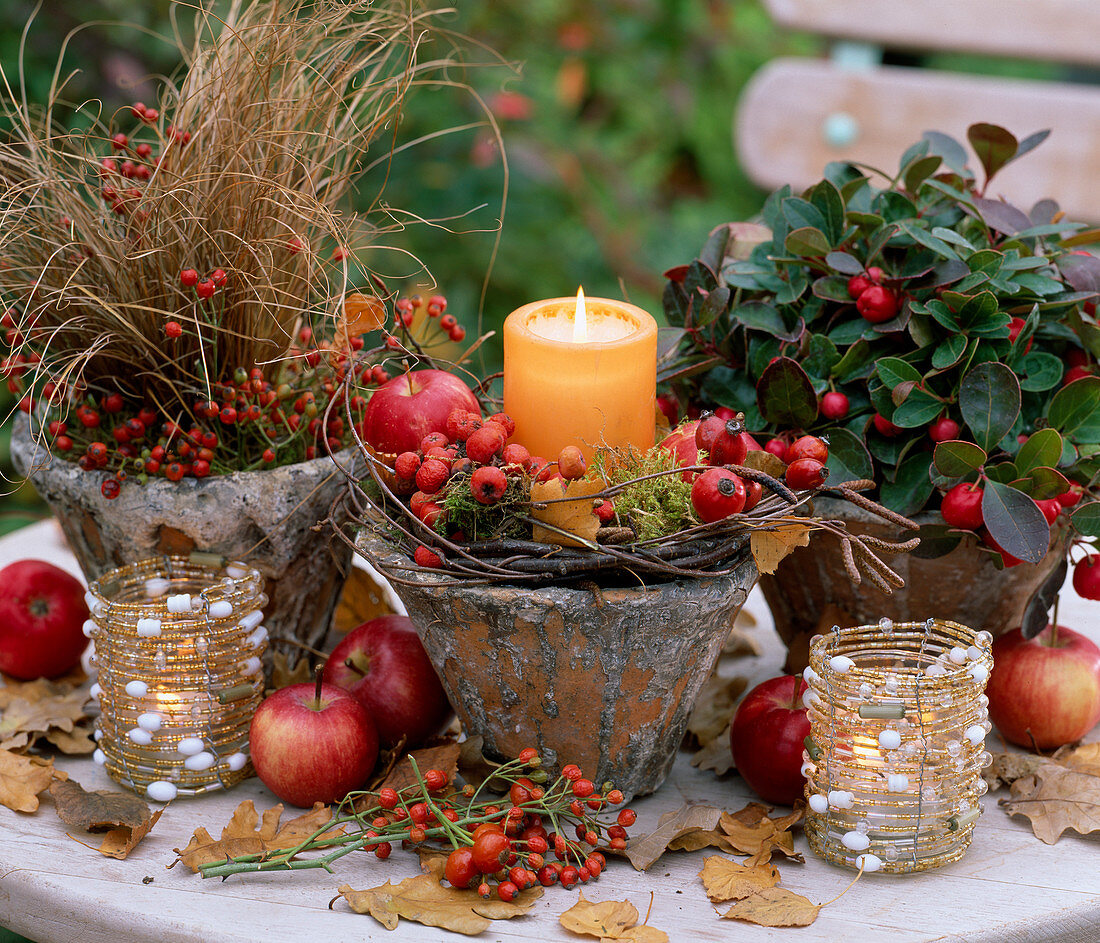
<point>580,372</point>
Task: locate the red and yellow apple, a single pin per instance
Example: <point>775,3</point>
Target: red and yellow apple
<point>1044,692</point>
<point>405,409</point>
<point>767,739</point>
<point>42,613</point>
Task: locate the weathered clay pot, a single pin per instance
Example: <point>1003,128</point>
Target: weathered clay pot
<point>811,586</point>
<point>265,517</point>
<point>604,681</point>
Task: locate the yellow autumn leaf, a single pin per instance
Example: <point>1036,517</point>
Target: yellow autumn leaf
<point>119,842</point>
<point>724,879</point>
<point>770,546</point>
<point>576,515</point>
<point>609,920</point>
<point>22,779</point>
<point>774,907</point>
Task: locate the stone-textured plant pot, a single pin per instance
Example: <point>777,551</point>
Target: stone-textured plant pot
<point>606,681</point>
<point>811,585</point>
<point>265,517</point>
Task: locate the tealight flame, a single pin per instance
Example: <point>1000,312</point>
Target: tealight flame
<point>580,320</point>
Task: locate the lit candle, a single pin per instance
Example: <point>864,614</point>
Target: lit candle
<point>580,373</point>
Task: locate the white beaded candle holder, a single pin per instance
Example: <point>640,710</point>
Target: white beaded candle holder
<point>893,763</point>
<point>178,644</point>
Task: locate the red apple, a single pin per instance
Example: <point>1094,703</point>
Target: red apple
<point>405,409</point>
<point>1044,692</point>
<point>42,612</point>
<point>312,743</point>
<point>384,665</point>
<point>767,737</point>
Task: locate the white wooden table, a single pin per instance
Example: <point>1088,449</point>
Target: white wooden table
<point>1009,888</point>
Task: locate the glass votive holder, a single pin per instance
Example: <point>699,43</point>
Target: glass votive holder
<point>178,647</point>
<point>898,719</point>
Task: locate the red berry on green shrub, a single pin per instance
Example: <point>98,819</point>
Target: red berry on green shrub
<point>1014,327</point>
<point>857,285</point>
<point>218,277</point>
<point>1086,577</point>
<point>834,405</point>
<point>1075,373</point>
<point>173,329</point>
<point>114,403</point>
<point>707,431</point>
<point>885,427</point>
<point>962,506</point>
<point>205,288</point>
<point>943,429</point>
<point>458,333</point>
<point>1069,498</point>
<point>1050,508</point>
<point>776,447</point>
<point>877,304</point>
<point>730,447</point>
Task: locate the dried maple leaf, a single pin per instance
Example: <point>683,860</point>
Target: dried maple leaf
<point>282,675</point>
<point>247,834</point>
<point>714,708</point>
<point>727,880</point>
<point>716,755</point>
<point>97,811</point>
<point>424,900</point>
<point>576,515</point>
<point>22,778</point>
<point>770,546</point>
<point>774,907</point>
<point>443,757</point>
<point>1055,799</point>
<point>609,920</point>
<point>362,599</point>
<point>119,842</point>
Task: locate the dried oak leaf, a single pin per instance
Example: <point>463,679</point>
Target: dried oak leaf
<point>1006,768</point>
<point>119,842</point>
<point>1056,798</point>
<point>242,836</point>
<point>425,900</point>
<point>443,757</point>
<point>770,546</point>
<point>575,515</point>
<point>609,920</point>
<point>59,711</point>
<point>716,755</point>
<point>282,675</point>
<point>1084,757</point>
<point>97,811</point>
<point>714,708</point>
<point>774,907</point>
<point>362,599</point>
<point>727,880</point>
<point>22,778</point>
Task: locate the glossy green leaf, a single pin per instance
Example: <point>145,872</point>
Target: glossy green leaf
<point>1042,371</point>
<point>758,316</point>
<point>1086,519</point>
<point>849,459</point>
<point>949,352</point>
<point>1004,472</point>
<point>926,239</point>
<point>826,197</point>
<point>911,488</point>
<point>800,213</point>
<point>1043,447</point>
<point>1015,522</point>
<point>994,147</point>
<point>820,357</point>
<point>844,263</point>
<point>1042,483</point>
<point>920,170</point>
<point>807,241</point>
<point>1075,410</point>
<point>785,396</point>
<point>989,398</point>
<point>936,540</point>
<point>894,370</point>
<point>918,410</point>
<point>956,458</point>
<point>832,288</point>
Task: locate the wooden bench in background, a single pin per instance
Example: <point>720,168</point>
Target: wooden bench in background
<point>796,115</point>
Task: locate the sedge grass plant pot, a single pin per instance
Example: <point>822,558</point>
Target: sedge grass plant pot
<point>605,679</point>
<point>265,517</point>
<point>810,590</point>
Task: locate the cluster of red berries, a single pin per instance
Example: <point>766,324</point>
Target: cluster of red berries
<point>405,312</point>
<point>205,288</point>
<point>502,847</point>
<point>961,508</point>
<point>474,454</point>
<point>875,302</point>
<point>718,492</point>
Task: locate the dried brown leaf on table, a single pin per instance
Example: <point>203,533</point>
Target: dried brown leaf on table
<point>714,708</point>
<point>282,675</point>
<point>33,691</point>
<point>424,900</point>
<point>363,599</point>
<point>576,515</point>
<point>119,842</point>
<point>752,832</point>
<point>22,778</point>
<point>59,711</point>
<point>727,880</point>
<point>609,920</point>
<point>1006,768</point>
<point>473,765</point>
<point>774,907</point>
<point>701,838</point>
<point>97,811</point>
<point>715,756</point>
<point>248,834</point>
<point>443,757</point>
<point>1084,757</point>
<point>643,852</point>
<point>387,760</point>
<point>1055,799</point>
<point>78,741</point>
<point>770,546</point>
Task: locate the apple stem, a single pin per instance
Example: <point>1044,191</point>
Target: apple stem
<point>1053,642</point>
<point>317,689</point>
<point>358,662</point>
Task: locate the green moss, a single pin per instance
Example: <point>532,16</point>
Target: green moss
<point>655,507</point>
<point>485,521</point>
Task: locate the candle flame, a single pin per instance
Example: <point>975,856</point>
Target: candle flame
<point>580,320</point>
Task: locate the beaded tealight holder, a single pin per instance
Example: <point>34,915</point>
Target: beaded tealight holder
<point>897,743</point>
<point>178,646</point>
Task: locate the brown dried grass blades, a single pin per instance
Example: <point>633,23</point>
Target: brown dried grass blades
<point>281,107</point>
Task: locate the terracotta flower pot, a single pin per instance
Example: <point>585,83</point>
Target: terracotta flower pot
<point>605,680</point>
<point>265,517</point>
<point>811,587</point>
